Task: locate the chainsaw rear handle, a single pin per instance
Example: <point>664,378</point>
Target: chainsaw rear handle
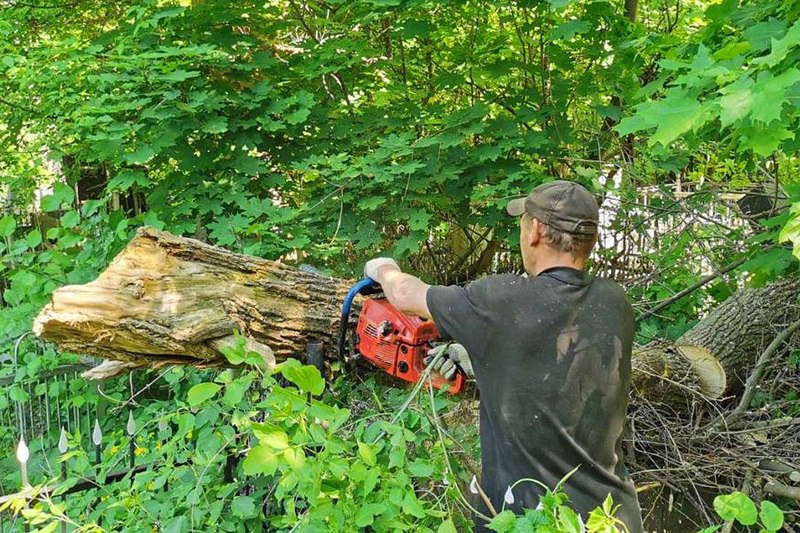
<point>365,286</point>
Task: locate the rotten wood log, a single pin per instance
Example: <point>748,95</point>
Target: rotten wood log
<point>173,300</point>
<point>166,299</point>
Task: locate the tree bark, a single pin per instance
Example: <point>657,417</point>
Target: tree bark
<point>167,299</point>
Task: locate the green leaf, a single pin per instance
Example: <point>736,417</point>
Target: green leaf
<point>736,506</point>
<point>260,460</point>
<point>673,116</point>
<point>202,392</point>
<point>70,219</point>
<point>771,516</point>
<point>736,102</point>
<point>64,192</point>
<point>306,377</point>
<point>447,527</point>
<point>50,203</point>
<point>127,178</point>
<point>567,30</point>
<point>568,520</point>
<point>412,506</point>
<point>216,125</point>
<point>178,75</point>
<point>420,468</point>
<point>33,239</point>
<point>505,521</point>
<point>140,156</point>
<point>770,94</point>
<point>366,513</point>
<point>781,47</point>
<point>243,507</point>
<point>367,454</point>
<point>276,439</point>
<point>235,391</point>
<point>177,524</point>
<point>7,226</point>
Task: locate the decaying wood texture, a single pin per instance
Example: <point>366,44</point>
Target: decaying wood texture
<point>167,299</point>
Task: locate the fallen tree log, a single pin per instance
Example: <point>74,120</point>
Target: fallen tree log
<point>172,300</point>
<point>167,299</point>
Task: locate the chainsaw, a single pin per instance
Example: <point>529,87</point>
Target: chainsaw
<point>390,340</point>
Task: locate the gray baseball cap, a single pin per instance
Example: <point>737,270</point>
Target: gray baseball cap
<point>564,205</point>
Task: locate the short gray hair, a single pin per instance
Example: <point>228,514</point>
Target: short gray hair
<point>577,245</point>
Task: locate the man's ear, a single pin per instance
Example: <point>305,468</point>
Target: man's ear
<point>535,235</point>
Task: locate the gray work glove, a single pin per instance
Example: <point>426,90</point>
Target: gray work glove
<point>455,356</point>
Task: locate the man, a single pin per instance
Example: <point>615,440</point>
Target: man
<point>551,354</point>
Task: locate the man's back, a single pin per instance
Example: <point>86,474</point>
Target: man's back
<point>551,356</point>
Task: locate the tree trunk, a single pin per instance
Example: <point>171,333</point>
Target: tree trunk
<point>167,299</point>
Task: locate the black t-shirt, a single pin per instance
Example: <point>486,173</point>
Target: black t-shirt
<point>552,360</point>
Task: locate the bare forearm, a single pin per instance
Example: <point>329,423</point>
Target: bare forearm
<point>405,292</point>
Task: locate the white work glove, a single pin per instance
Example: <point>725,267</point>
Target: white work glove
<point>373,265</point>
<point>455,356</point>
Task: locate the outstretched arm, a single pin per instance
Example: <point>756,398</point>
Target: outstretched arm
<point>405,292</point>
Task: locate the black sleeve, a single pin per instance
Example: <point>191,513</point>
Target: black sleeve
<point>464,314</point>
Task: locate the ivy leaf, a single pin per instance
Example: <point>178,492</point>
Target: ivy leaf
<point>202,392</point>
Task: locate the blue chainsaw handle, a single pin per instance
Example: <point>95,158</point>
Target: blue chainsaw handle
<point>358,288</point>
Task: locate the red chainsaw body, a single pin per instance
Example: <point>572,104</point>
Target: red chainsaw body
<point>398,343</point>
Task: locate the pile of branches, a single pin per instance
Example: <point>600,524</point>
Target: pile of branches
<point>682,456</point>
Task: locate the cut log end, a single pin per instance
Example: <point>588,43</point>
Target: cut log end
<point>710,373</point>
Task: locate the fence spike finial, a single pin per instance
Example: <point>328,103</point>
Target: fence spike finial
<point>23,454</point>
<point>97,434</point>
<point>131,427</point>
<point>62,441</point>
